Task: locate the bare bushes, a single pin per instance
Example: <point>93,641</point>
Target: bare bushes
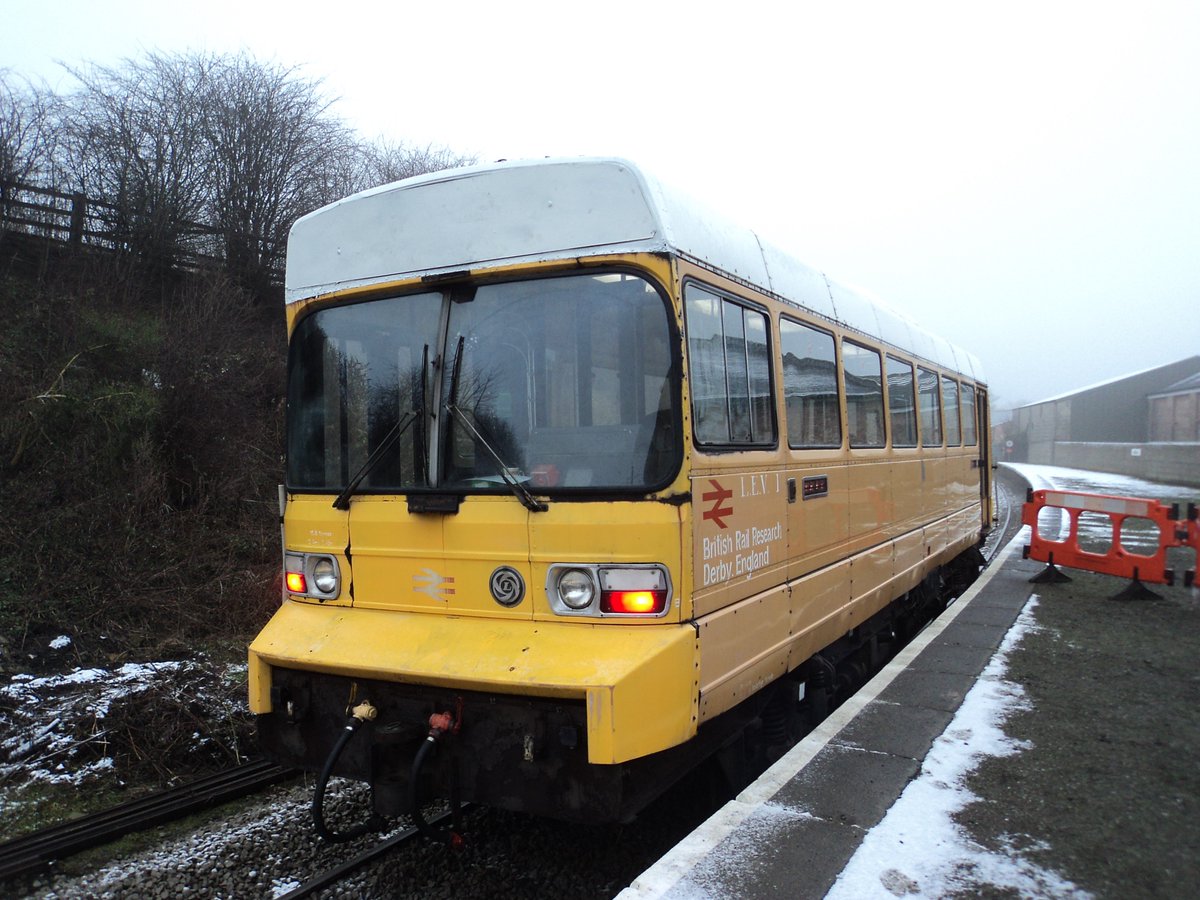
<point>139,447</point>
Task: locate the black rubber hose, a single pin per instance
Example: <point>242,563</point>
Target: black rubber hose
<point>318,804</point>
<point>414,799</point>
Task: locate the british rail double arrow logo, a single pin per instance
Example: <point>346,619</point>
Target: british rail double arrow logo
<point>717,496</point>
<point>433,585</point>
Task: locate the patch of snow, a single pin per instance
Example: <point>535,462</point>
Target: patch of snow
<point>53,730</point>
<point>62,642</point>
<point>918,850</point>
<point>1064,479</point>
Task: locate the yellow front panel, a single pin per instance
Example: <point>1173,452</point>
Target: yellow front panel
<point>639,683</point>
<point>604,532</point>
<point>312,525</point>
<point>435,562</point>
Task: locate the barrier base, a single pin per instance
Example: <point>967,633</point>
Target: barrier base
<point>1052,574</point>
<point>1135,590</point>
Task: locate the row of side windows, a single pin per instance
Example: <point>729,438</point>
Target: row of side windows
<point>730,370</point>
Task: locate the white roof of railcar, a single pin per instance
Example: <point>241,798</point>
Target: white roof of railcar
<point>504,213</point>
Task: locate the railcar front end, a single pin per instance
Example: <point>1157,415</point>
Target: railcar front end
<point>485,514</point>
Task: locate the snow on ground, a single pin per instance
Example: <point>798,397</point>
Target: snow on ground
<point>918,850</point>
<point>1064,479</point>
<point>56,729</point>
<point>41,737</point>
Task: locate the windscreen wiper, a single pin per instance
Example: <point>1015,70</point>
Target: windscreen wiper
<point>519,490</point>
<point>342,501</point>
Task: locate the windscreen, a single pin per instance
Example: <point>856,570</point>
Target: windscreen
<point>562,384</point>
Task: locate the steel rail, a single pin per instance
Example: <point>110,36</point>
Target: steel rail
<point>339,872</point>
<point>31,852</point>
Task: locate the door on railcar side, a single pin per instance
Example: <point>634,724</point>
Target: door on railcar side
<point>983,425</point>
<point>739,493</point>
<point>817,514</point>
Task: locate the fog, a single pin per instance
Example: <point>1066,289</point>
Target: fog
<point>1021,178</point>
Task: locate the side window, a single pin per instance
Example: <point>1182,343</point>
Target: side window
<point>950,404</point>
<point>730,366</point>
<point>931,408</point>
<point>864,395</point>
<point>970,435</point>
<point>902,402</point>
<point>810,386</point>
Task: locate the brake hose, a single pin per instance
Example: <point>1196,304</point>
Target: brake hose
<point>440,724</point>
<point>361,714</point>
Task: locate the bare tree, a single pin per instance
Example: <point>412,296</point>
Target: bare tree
<point>134,137</point>
<point>275,153</point>
<point>203,154</point>
<point>27,137</point>
<point>27,134</point>
<point>386,161</point>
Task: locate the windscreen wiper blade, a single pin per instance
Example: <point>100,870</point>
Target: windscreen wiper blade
<point>519,490</point>
<point>342,501</point>
<point>394,434</point>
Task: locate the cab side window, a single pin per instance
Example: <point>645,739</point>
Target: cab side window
<point>729,363</point>
<point>970,432</point>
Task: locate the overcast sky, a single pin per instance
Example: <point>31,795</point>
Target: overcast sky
<point>1022,178</point>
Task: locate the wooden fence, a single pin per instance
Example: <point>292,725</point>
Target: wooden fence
<point>75,220</point>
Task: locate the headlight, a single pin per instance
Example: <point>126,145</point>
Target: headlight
<point>325,576</point>
<point>576,588</point>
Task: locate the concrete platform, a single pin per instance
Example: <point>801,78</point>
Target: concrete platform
<point>792,832</point>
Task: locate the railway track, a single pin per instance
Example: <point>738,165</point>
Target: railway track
<point>343,871</point>
<point>1009,496</point>
<point>28,854</point>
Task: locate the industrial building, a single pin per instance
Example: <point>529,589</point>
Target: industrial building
<point>1146,424</point>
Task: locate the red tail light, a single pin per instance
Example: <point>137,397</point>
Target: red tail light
<point>296,583</point>
<point>645,603</point>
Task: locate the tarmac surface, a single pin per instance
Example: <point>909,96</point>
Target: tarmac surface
<point>1101,798</point>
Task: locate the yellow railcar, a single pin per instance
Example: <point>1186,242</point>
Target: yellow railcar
<point>582,480</point>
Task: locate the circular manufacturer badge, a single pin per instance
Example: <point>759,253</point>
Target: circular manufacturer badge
<point>508,587</point>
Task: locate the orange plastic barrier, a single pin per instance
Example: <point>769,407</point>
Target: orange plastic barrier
<point>1192,540</point>
<point>1172,532</point>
